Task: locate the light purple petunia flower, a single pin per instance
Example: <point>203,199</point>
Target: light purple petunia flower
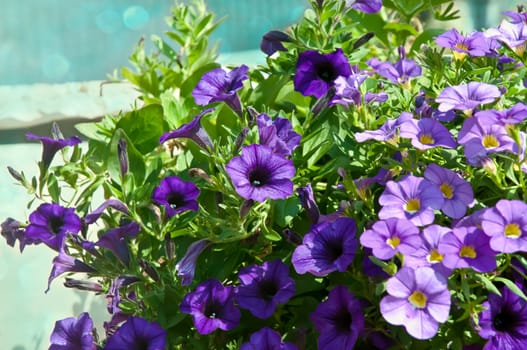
<point>417,299</point>
<point>514,115</point>
<point>137,334</point>
<point>506,225</point>
<point>259,174</point>
<point>263,288</point>
<point>116,240</point>
<point>221,86</point>
<point>466,97</point>
<point>347,89</point>
<point>186,267</point>
<point>327,247</point>
<point>503,321</point>
<point>339,320</point>
<point>427,133</point>
<point>73,334</point>
<point>278,134</point>
<point>316,72</point>
<point>514,35</point>
<point>366,6</point>
<point>63,263</point>
<point>456,191</point>
<point>412,198</point>
<point>267,339</point>
<point>474,45</point>
<point>272,42</point>
<point>211,305</point>
<point>50,223</point>
<point>387,132</point>
<point>467,247</point>
<point>391,236</point>
<point>176,195</point>
<point>399,72</point>
<point>192,130</point>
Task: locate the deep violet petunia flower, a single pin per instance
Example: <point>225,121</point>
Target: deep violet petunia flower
<point>339,320</point>
<point>503,321</point>
<point>316,72</point>
<point>391,236</point>
<point>387,132</point>
<point>467,247</point>
<point>278,134</point>
<point>514,115</point>
<point>116,240</point>
<point>211,305</point>
<point>466,97</point>
<point>417,299</point>
<point>272,42</point>
<point>263,288</point>
<point>218,85</point>
<point>137,334</point>
<point>474,45</point>
<point>73,334</point>
<point>457,192</point>
<point>267,339</point>
<point>50,223</point>
<point>112,203</point>
<point>412,198</point>
<point>63,263</point>
<point>398,72</point>
<point>427,133</point>
<point>259,174</point>
<point>186,267</point>
<point>366,6</point>
<point>192,130</point>
<point>176,195</point>
<point>307,200</point>
<point>12,230</point>
<point>113,296</point>
<point>506,225</point>
<point>327,247</point>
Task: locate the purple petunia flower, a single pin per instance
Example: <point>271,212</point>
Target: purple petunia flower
<point>387,132</point>
<point>339,320</point>
<point>307,200</point>
<point>412,198</point>
<point>176,195</point>
<point>366,6</point>
<point>514,115</point>
<point>211,305</point>
<point>316,72</point>
<point>327,247</point>
<point>193,131</point>
<point>218,85</point>
<point>391,236</point>
<point>399,72</point>
<point>50,223</point>
<point>267,339</point>
<point>263,288</point>
<point>113,296</point>
<point>12,231</point>
<point>277,134</point>
<point>427,133</point>
<point>259,174</point>
<point>503,321</point>
<point>272,42</point>
<point>63,263</point>
<point>187,265</point>
<point>347,89</point>
<point>112,203</point>
<point>466,97</point>
<point>137,334</point>
<point>467,247</point>
<point>456,191</point>
<point>506,225</point>
<point>417,299</point>
<point>73,334</point>
<point>116,240</point>
<point>514,35</point>
<point>474,45</point>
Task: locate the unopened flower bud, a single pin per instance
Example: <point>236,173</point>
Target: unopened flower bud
<point>198,172</point>
<point>246,207</point>
<point>83,285</point>
<point>149,269</point>
<point>15,174</point>
<point>122,153</point>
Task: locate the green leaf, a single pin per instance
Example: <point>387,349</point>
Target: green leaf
<point>266,92</point>
<point>487,283</point>
<point>144,127</point>
<point>512,286</point>
<point>424,37</point>
<point>286,210</point>
<point>53,188</point>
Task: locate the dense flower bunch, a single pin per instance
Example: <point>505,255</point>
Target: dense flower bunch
<point>345,195</point>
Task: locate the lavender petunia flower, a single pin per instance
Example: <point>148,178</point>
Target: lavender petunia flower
<point>116,240</point>
<point>63,263</point>
<point>514,35</point>
<point>456,191</point>
<point>467,247</point>
<point>427,133</point>
<point>73,334</point>
<point>366,6</point>
<point>220,86</point>
<point>506,225</point>
<point>193,131</point>
<point>474,45</point>
<point>413,198</point>
<point>176,195</point>
<point>371,97</point>
<point>187,265</point>
<point>267,339</point>
<point>307,200</point>
<point>259,174</point>
<point>277,134</point>
<point>327,247</point>
<point>503,321</point>
<point>211,305</point>
<point>417,299</point>
<point>137,334</point>
<point>112,203</point>
<point>391,236</point>
<point>514,115</point>
<point>50,223</point>
<point>339,320</point>
<point>399,72</point>
<point>316,72</point>
<point>272,42</point>
<point>263,288</point>
<point>12,231</point>
<point>387,132</point>
<point>347,89</point>
<point>466,97</point>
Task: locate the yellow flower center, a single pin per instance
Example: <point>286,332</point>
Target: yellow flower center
<point>393,241</point>
<point>434,256</point>
<point>512,231</point>
<point>426,139</point>
<point>467,251</point>
<point>490,141</point>
<point>413,205</point>
<point>460,55</point>
<point>519,50</point>
<point>447,191</point>
<point>417,299</point>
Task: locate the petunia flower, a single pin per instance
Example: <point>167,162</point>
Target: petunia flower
<point>259,173</point>
<point>514,115</point>
<point>263,288</point>
<point>73,334</point>
<point>267,339</point>
<point>116,240</point>
<point>327,247</point>
<point>339,320</point>
<point>186,267</point>
<point>417,299</point>
<point>366,6</point>
<point>427,133</point>
<point>176,195</point>
<point>112,203</point>
<point>113,296</point>
<point>398,72</point>
<point>387,132</point>
<point>63,263</point>
<point>137,334</point>
<point>474,45</point>
<point>192,130</point>
<point>278,134</point>
<point>514,35</point>
<point>272,42</point>
<point>307,200</point>
<point>466,97</point>
<point>211,305</point>
<point>12,230</point>
<point>506,225</point>
<point>347,89</point>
